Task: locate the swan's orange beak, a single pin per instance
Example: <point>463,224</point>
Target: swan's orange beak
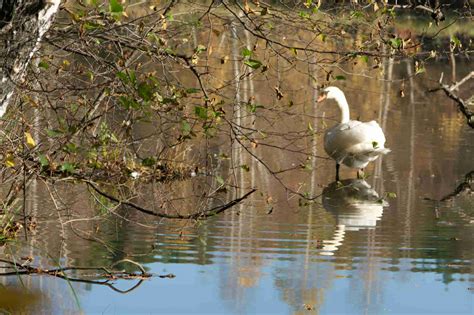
<point>321,97</point>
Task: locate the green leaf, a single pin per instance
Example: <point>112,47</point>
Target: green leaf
<point>67,167</point>
<point>200,112</point>
<point>246,52</point>
<point>128,102</point>
<point>54,133</point>
<point>391,195</point>
<point>419,67</point>
<point>44,162</point>
<point>455,42</point>
<point>127,77</point>
<point>91,26</point>
<point>252,63</point>
<point>396,42</point>
<point>43,64</point>
<point>304,15</point>
<point>71,148</point>
<point>123,76</point>
<point>340,77</point>
<point>252,108</point>
<point>200,48</point>
<point>149,161</point>
<point>115,6</point>
<point>375,144</point>
<point>132,76</point>
<point>356,14</point>
<point>170,51</point>
<point>365,58</point>
<point>145,91</point>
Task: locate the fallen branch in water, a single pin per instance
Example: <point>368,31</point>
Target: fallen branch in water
<point>462,106</point>
<point>464,186</point>
<point>200,215</point>
<point>100,272</point>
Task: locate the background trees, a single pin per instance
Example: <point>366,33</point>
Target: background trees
<point>121,92</point>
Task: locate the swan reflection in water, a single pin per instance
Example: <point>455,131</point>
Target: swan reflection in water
<point>355,205</point>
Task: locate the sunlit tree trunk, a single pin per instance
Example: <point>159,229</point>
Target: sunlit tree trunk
<point>22,26</point>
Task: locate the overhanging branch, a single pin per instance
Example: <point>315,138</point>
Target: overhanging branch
<point>462,106</point>
<point>199,215</point>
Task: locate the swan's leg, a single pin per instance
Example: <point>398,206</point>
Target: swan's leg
<point>337,171</point>
<point>360,173</point>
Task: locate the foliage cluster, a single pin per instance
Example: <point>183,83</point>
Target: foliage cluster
<point>121,91</point>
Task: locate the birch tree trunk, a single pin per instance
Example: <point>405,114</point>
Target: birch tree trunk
<point>23,24</point>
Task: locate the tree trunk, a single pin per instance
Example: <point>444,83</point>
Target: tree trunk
<point>22,26</point>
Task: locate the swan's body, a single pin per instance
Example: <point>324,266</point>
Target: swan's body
<point>352,142</point>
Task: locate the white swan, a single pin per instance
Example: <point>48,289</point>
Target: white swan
<point>351,142</point>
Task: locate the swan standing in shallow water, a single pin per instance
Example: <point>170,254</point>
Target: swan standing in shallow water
<point>351,142</point>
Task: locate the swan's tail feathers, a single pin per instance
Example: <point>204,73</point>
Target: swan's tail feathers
<point>384,150</point>
<point>376,152</point>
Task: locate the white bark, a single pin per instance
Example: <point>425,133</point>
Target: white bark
<point>22,26</point>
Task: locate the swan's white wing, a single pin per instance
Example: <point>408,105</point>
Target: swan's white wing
<point>355,143</point>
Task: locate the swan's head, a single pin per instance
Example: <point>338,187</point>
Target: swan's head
<point>330,93</point>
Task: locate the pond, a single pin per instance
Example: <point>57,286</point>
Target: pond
<point>343,253</point>
<point>398,241</point>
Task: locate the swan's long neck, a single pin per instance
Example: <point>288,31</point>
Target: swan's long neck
<point>344,107</point>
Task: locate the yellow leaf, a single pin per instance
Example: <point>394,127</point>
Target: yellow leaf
<point>9,160</point>
<point>30,142</point>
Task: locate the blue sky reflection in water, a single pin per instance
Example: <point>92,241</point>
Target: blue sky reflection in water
<point>197,290</point>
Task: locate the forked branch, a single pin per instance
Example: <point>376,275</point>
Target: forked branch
<point>462,106</point>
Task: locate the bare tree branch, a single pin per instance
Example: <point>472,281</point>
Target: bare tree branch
<point>200,215</point>
<point>462,106</point>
